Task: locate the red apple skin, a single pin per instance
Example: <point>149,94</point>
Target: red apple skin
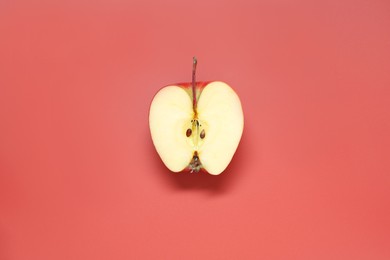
<point>200,85</point>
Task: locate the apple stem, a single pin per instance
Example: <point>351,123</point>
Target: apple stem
<point>195,62</point>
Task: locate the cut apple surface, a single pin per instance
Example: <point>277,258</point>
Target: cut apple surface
<point>196,133</point>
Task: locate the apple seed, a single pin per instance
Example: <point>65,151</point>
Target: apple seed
<point>189,132</point>
<point>202,134</point>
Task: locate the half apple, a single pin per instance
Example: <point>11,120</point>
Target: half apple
<point>196,125</point>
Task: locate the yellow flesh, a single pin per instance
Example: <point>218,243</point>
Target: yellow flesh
<point>219,107</point>
<point>170,111</point>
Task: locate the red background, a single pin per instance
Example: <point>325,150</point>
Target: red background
<point>80,178</point>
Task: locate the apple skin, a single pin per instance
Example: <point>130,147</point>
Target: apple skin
<point>200,85</point>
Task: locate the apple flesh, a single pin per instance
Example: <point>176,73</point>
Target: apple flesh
<point>196,125</point>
